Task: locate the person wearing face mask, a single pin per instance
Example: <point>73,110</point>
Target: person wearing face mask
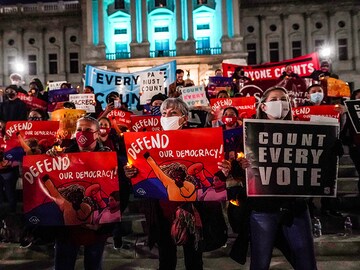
<point>12,109</point>
<point>160,213</point>
<point>315,95</point>
<point>37,115</point>
<point>156,102</point>
<point>70,238</point>
<point>283,222</point>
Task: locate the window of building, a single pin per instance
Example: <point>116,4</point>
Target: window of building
<point>119,4</point>
<point>318,25</point>
<point>202,2</point>
<point>160,3</point>
<point>11,42</point>
<point>11,64</point>
<point>319,43</point>
<point>341,24</point>
<point>162,47</point>
<point>343,49</point>
<point>203,26</point>
<point>52,40</point>
<point>161,29</point>
<point>203,42</point>
<point>120,31</point>
<point>121,47</point>
<point>53,63</point>
<point>296,26</point>
<point>74,63</point>
<point>250,29</point>
<point>31,41</point>
<point>273,27</point>
<point>274,51</point>
<point>296,49</point>
<point>251,49</point>
<point>32,63</point>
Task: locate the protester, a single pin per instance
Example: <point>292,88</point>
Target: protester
<point>70,238</point>
<point>218,72</point>
<point>289,73</point>
<point>324,72</point>
<point>239,79</point>
<point>175,87</point>
<point>12,109</point>
<point>351,138</point>
<point>37,115</point>
<point>17,79</point>
<point>98,109</point>
<point>287,215</point>
<point>160,213</point>
<point>37,88</point>
<point>222,94</point>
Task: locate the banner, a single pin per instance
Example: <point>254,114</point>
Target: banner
<point>59,96</point>
<point>178,165</point>
<point>126,84</point>
<point>304,113</point>
<point>145,123</point>
<point>121,117</point>
<point>33,102</point>
<point>71,189</point>
<point>33,137</point>
<point>55,85</point>
<point>194,96</point>
<point>291,158</point>
<point>353,108</point>
<point>67,119</point>
<point>151,83</point>
<point>244,105</point>
<point>83,102</point>
<point>303,66</point>
<point>217,84</point>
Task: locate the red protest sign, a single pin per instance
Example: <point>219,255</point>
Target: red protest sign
<point>31,136</point>
<point>244,105</point>
<point>178,165</point>
<point>121,118</point>
<point>303,66</point>
<point>304,113</point>
<point>70,189</point>
<point>33,102</point>
<point>145,123</point>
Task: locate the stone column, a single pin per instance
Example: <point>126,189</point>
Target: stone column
<point>178,20</point>
<point>286,42</point>
<point>225,40</point>
<point>190,20</point>
<point>133,21</point>
<point>42,57</point>
<point>236,17</point>
<point>101,21</point>
<point>89,22</point>
<point>355,39</point>
<point>63,58</point>
<point>263,44</point>
<point>144,22</point>
<point>307,18</point>
<point>331,28</point>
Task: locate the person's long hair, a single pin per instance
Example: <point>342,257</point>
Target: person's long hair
<point>260,114</point>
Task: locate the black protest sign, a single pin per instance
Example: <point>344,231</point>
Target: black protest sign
<point>291,158</point>
<point>353,107</point>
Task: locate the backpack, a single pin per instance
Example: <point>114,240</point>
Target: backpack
<point>187,225</point>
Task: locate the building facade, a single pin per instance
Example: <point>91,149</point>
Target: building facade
<point>56,39</point>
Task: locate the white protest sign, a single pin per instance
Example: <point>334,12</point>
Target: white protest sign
<point>194,96</point>
<point>83,102</point>
<point>151,83</point>
<point>56,85</point>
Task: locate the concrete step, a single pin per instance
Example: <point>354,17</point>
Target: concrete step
<point>347,185</point>
<point>347,171</point>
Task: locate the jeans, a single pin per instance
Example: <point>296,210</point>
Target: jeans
<point>66,253</point>
<point>8,182</point>
<point>264,228</point>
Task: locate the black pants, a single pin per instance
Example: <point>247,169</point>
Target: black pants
<point>167,251</point>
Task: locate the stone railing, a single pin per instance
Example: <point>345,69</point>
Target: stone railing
<point>52,7</point>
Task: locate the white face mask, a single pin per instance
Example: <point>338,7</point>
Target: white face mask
<point>170,123</point>
<point>316,97</point>
<point>278,109</point>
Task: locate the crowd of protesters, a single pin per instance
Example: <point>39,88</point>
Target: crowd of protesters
<point>264,225</point>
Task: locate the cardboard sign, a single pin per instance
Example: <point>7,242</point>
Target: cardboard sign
<point>304,113</point>
<point>60,95</point>
<point>33,102</point>
<point>291,158</point>
<point>151,83</point>
<point>145,123</point>
<point>121,118</point>
<point>67,119</point>
<point>71,189</point>
<point>194,96</point>
<point>83,102</point>
<point>55,85</point>
<point>303,66</point>
<point>353,108</point>
<point>40,135</point>
<point>178,165</point>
